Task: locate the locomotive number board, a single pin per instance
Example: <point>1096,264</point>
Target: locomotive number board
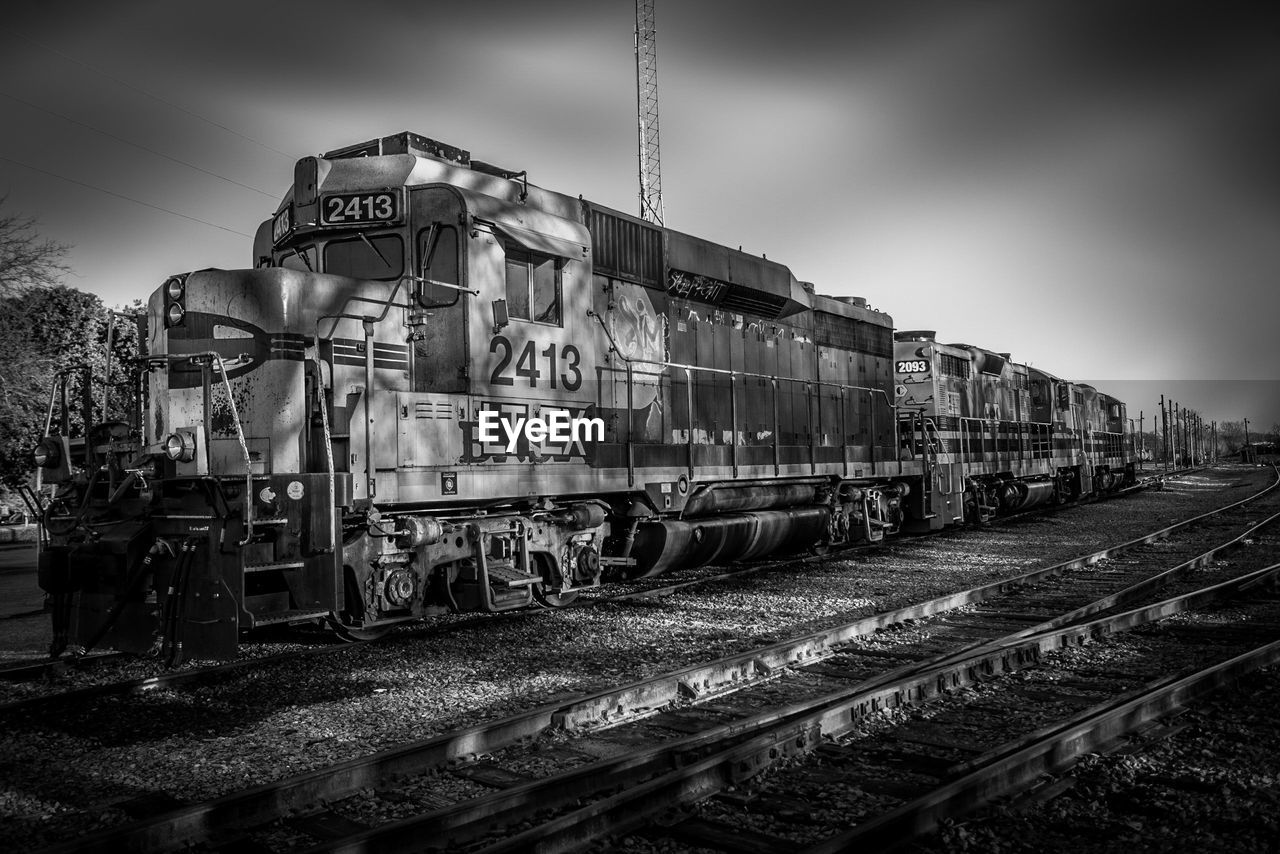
<point>912,366</point>
<point>360,208</point>
<point>281,225</point>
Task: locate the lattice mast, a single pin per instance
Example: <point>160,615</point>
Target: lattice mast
<point>647,110</point>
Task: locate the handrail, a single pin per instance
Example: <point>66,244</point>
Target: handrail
<point>59,390</point>
<point>368,321</point>
<point>215,357</point>
<point>386,304</point>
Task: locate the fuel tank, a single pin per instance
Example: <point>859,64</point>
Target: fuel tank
<point>1023,494</point>
<point>665,543</point>
<point>725,498</point>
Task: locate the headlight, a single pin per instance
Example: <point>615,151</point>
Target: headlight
<point>180,447</point>
<point>174,288</point>
<point>175,314</point>
<point>46,454</point>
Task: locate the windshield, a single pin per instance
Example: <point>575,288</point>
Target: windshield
<point>299,259</point>
<point>379,257</point>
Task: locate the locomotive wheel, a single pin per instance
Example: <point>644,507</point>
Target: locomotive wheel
<point>550,576</point>
<point>351,634</point>
<point>554,600</point>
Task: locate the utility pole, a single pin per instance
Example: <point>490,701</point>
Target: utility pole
<point>647,112</point>
<point>1164,434</point>
<point>1142,438</point>
<point>1195,437</point>
<point>1177,433</point>
<point>1188,419</point>
<point>1186,437</point>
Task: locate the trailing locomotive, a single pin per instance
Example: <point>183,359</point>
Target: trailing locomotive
<point>442,388</point>
<point>1015,437</point>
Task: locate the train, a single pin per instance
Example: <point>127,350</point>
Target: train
<point>441,388</point>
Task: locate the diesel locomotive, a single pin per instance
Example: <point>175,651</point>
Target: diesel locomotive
<point>441,388</point>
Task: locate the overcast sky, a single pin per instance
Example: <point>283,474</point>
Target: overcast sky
<point>1093,185</point>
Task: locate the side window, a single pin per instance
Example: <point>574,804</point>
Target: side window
<point>518,284</point>
<point>533,287</point>
<point>438,249</point>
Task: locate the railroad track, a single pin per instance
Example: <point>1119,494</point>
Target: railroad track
<point>37,669</point>
<point>647,589</point>
<point>893,779</point>
<point>770,669</point>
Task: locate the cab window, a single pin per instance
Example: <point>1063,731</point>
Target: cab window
<point>533,287</point>
<point>303,259</point>
<point>380,257</point>
<point>438,249</point>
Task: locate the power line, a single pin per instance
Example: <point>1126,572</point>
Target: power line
<point>120,196</point>
<point>142,91</point>
<point>135,144</point>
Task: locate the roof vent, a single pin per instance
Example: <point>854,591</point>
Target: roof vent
<point>404,142</point>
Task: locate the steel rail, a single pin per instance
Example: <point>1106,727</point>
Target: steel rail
<point>775,736</point>
<point>1021,763</point>
<point>212,672</point>
<point>1130,593</point>
<point>267,801</point>
<point>44,667</point>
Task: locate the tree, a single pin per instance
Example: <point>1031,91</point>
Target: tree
<point>1231,435</point>
<point>26,260</point>
<point>45,328</point>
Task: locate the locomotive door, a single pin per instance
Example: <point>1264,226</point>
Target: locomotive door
<point>438,321</point>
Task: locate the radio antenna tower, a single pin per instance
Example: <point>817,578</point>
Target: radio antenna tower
<point>647,110</point>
